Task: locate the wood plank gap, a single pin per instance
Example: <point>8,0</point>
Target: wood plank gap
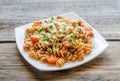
<point>15,41</point>
<point>113,39</point>
<point>7,41</point>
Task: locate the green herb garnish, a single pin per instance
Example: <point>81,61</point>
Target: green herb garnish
<point>72,36</point>
<point>61,36</point>
<point>52,19</point>
<point>41,29</point>
<point>51,27</point>
<point>26,36</point>
<point>35,30</point>
<point>71,42</point>
<point>49,50</point>
<point>58,46</point>
<point>45,38</point>
<point>64,28</point>
<point>76,25</point>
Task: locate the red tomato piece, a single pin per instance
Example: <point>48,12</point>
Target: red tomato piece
<point>90,32</point>
<point>34,39</point>
<point>46,29</point>
<point>52,59</point>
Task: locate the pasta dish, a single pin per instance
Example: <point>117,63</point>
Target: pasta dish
<point>58,40</point>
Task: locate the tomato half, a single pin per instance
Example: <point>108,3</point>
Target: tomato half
<point>34,39</point>
<point>90,32</point>
<point>52,59</point>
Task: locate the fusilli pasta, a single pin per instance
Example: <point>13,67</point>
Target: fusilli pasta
<point>58,40</point>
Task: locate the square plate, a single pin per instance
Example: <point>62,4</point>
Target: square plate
<point>99,43</point>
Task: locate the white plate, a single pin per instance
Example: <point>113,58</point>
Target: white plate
<point>99,46</point>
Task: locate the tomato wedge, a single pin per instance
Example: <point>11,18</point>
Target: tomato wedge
<point>90,34</point>
<point>89,30</point>
<point>46,29</point>
<point>34,39</point>
<point>52,59</point>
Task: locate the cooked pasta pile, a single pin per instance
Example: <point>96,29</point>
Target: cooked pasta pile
<point>58,40</point>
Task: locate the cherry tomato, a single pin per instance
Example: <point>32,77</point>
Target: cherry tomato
<point>52,59</point>
<point>34,39</point>
<point>90,34</point>
<point>65,42</point>
<point>89,30</point>
<point>46,29</point>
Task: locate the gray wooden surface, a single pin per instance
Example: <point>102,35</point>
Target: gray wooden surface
<point>103,15</point>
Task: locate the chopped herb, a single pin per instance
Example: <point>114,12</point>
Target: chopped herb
<point>55,50</point>
<point>64,28</point>
<point>43,35</point>
<point>49,50</point>
<point>35,30</point>
<point>72,36</point>
<point>58,46</point>
<point>44,38</point>
<point>49,31</point>
<point>41,28</point>
<point>53,33</point>
<point>76,25</point>
<point>51,27</point>
<point>26,36</point>
<point>61,36</point>
<point>52,19</point>
<point>71,42</point>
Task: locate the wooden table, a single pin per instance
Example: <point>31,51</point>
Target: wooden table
<point>103,15</point>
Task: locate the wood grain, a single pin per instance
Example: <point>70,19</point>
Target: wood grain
<point>103,15</point>
<point>105,67</point>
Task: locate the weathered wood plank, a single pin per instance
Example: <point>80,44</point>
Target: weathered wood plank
<point>104,15</point>
<point>110,30</point>
<point>105,67</point>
